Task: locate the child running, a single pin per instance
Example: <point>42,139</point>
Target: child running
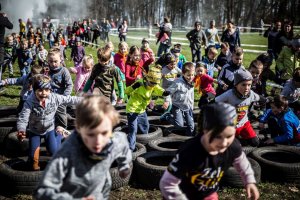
<point>182,99</point>
<point>77,52</point>
<point>135,67</point>
<point>241,97</point>
<point>199,165</point>
<point>26,82</point>
<point>140,95</point>
<point>103,75</point>
<point>37,118</point>
<point>203,83</point>
<point>83,162</point>
<point>83,73</point>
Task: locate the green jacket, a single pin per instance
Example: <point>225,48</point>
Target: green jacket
<point>141,96</point>
<point>286,62</point>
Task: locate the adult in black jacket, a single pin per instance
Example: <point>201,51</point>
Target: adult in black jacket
<point>197,38</point>
<point>4,23</point>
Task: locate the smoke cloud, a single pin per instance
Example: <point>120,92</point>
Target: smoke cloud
<point>39,9</point>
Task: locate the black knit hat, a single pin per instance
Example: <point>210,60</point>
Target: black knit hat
<point>218,114</point>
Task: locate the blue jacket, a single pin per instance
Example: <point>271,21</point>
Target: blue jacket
<point>24,57</point>
<point>289,124</point>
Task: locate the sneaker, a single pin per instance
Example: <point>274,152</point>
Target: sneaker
<point>64,132</point>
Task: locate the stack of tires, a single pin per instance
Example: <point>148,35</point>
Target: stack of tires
<point>15,174</point>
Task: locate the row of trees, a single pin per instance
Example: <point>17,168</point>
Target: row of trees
<point>185,12</point>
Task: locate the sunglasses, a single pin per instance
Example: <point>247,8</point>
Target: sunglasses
<point>152,83</point>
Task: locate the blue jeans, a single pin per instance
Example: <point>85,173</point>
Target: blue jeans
<point>178,119</point>
<point>24,70</point>
<point>52,139</point>
<point>136,121</point>
<point>162,48</point>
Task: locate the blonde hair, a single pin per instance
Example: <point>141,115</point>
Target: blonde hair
<point>91,111</point>
<point>53,51</point>
<point>213,50</point>
<point>109,44</point>
<point>123,44</point>
<point>88,59</point>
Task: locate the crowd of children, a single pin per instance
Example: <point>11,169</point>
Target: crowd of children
<point>140,76</point>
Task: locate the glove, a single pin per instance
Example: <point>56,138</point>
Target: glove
<point>25,63</point>
<point>136,85</point>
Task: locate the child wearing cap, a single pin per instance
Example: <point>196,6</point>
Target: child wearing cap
<point>140,93</point>
<point>37,118</point>
<point>226,76</point>
<point>180,58</point>
<point>200,163</point>
<point>103,75</point>
<point>146,52</point>
<point>80,169</point>
<point>241,97</point>
<point>77,52</point>
<point>182,99</point>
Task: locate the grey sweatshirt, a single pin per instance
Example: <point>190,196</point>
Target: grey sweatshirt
<point>181,94</point>
<point>73,175</point>
<point>61,81</point>
<point>41,120</point>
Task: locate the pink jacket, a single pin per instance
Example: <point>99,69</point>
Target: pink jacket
<point>119,61</point>
<point>147,54</point>
<point>81,77</point>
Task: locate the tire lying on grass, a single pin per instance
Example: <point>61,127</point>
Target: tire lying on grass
<point>154,132</point>
<point>165,144</point>
<point>179,132</point>
<point>232,178</point>
<point>13,147</point>
<point>4,131</point>
<point>7,110</point>
<point>117,181</point>
<point>18,178</point>
<point>278,164</point>
<point>248,149</point>
<point>151,166</point>
<point>139,150</point>
<point>9,121</point>
<point>155,121</point>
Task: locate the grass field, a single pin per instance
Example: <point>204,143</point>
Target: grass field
<point>268,190</point>
<point>11,94</point>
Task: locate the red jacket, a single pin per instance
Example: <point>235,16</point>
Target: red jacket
<point>132,71</point>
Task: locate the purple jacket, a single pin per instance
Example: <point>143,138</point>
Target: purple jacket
<point>77,53</point>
